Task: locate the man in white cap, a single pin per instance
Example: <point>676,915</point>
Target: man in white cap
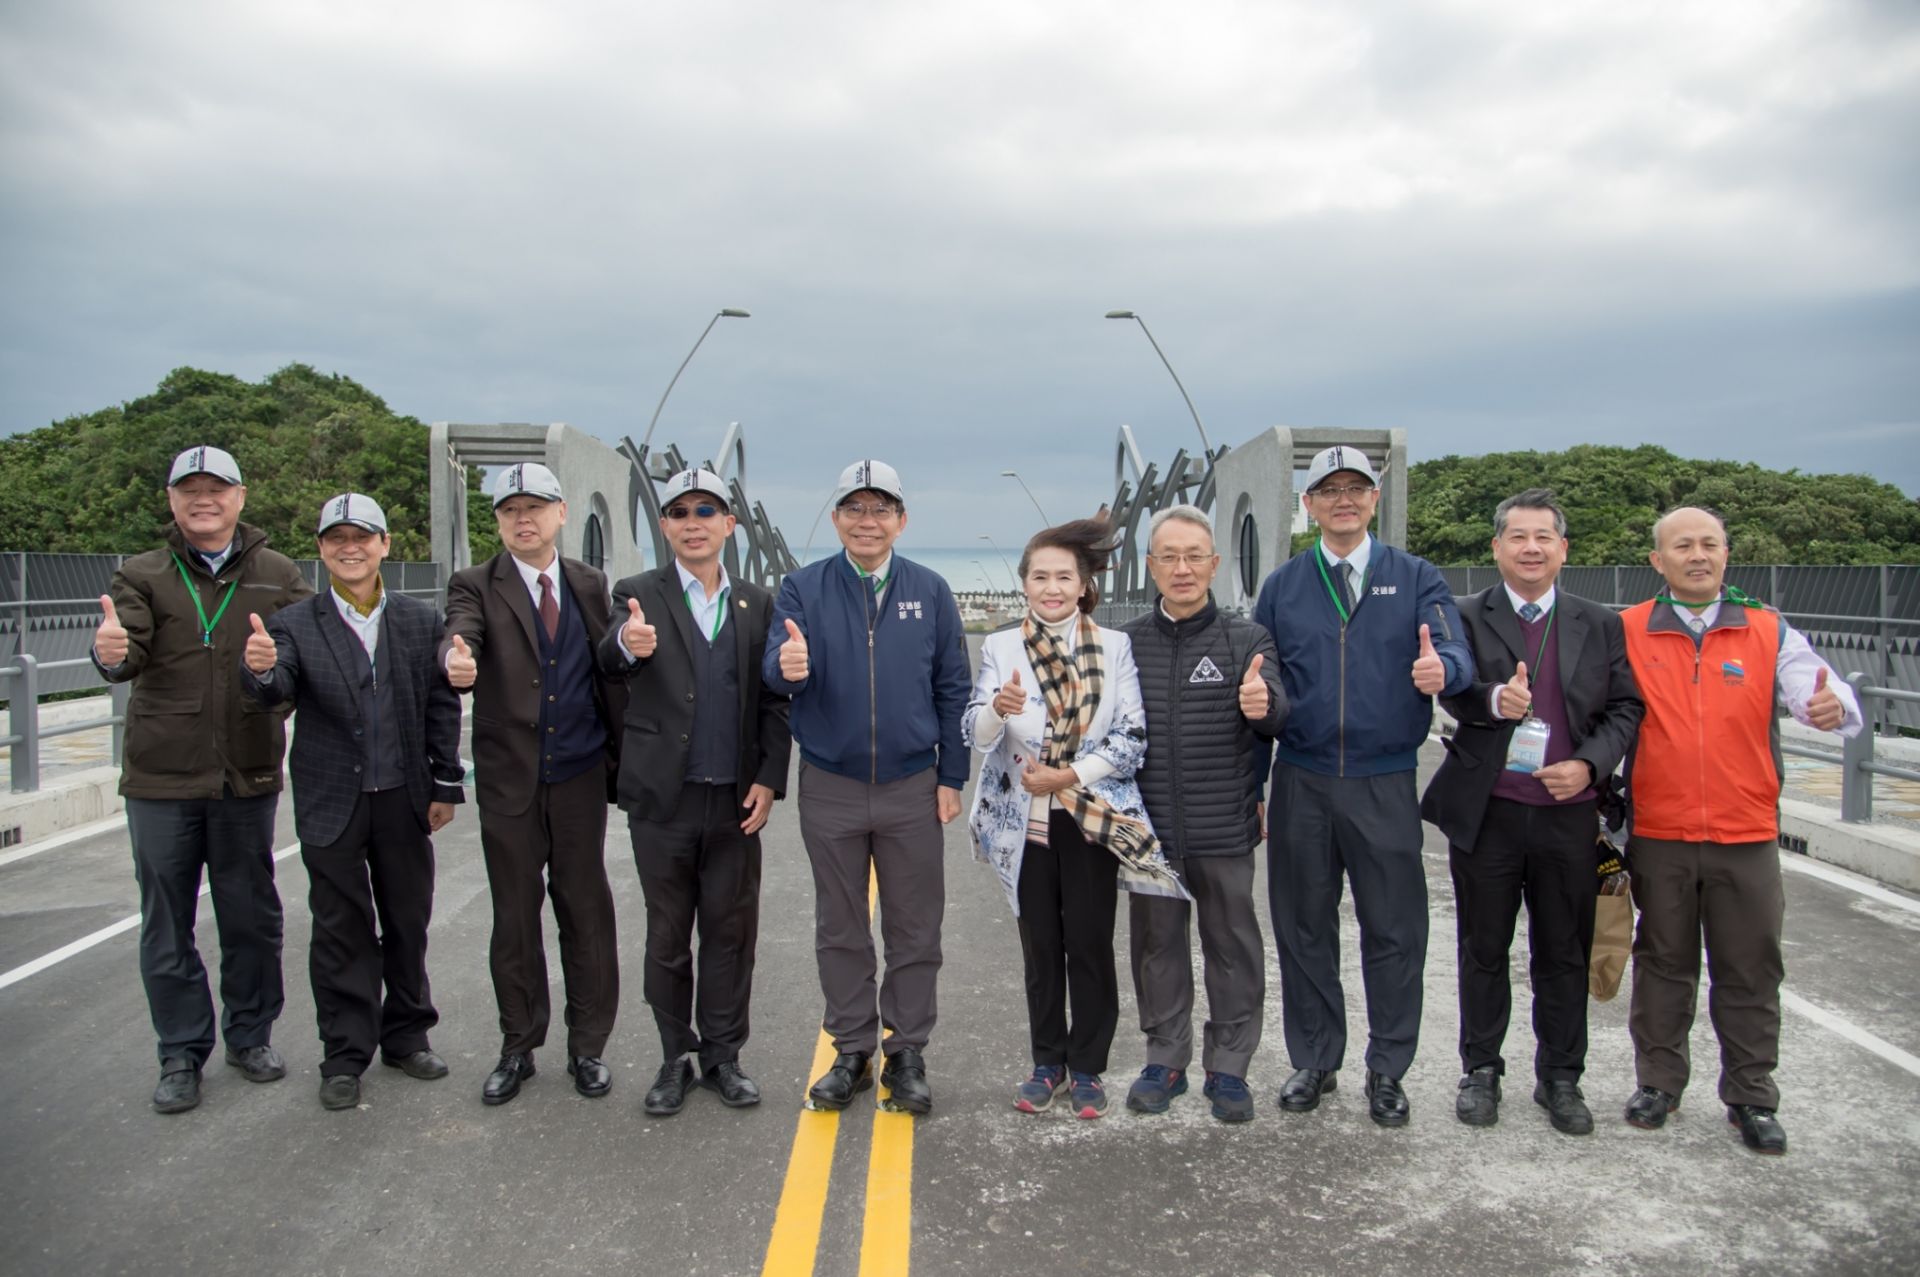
<point>870,647</point>
<point>376,769</point>
<point>705,757</point>
<point>201,772</point>
<point>1367,635</point>
<point>521,632</point>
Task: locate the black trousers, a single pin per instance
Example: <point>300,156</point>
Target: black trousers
<point>1068,893</point>
<point>1366,829</point>
<point>371,894</point>
<point>173,838</point>
<point>1544,856</point>
<point>698,870</point>
<point>558,847</point>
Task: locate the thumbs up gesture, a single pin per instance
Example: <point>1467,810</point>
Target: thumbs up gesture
<point>1825,710</point>
<point>461,667</point>
<point>1516,698</point>
<point>110,640</point>
<point>1429,672</point>
<point>793,655</point>
<point>639,638</point>
<point>261,653</point>
<point>1010,699</point>
<point>1253,691</point>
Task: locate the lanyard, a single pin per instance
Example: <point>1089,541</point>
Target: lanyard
<point>1340,604</point>
<point>206,626</point>
<point>1545,636</point>
<point>719,611</point>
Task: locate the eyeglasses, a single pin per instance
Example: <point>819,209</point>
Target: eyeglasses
<point>1345,490</point>
<point>1194,561</point>
<point>680,512</point>
<point>860,510</point>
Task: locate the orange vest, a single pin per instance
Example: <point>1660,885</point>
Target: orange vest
<point>1703,767</point>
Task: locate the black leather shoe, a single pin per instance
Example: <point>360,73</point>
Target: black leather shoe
<point>1301,1093</point>
<point>1386,1102</point>
<point>504,1082</point>
<point>258,1063</point>
<point>179,1088</point>
<point>1648,1108</point>
<point>1566,1107</point>
<point>905,1078</point>
<point>1478,1103</point>
<point>423,1064</point>
<point>669,1090</point>
<point>591,1077</point>
<point>737,1090</point>
<point>1759,1128</point>
<point>339,1091</point>
<point>847,1077</point>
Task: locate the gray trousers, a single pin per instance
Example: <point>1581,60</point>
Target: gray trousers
<point>1236,966</point>
<point>892,831</point>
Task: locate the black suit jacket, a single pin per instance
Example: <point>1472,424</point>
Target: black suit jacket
<point>1603,703</point>
<point>488,605</point>
<point>316,671</point>
<point>660,702</point>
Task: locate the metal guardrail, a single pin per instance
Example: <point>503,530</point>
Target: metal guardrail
<point>1856,760</point>
<point>24,732</point>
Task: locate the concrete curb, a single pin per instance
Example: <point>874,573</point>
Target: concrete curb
<point>1885,852</point>
<point>76,798</point>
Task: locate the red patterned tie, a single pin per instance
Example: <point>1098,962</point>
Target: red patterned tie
<point>549,609</point>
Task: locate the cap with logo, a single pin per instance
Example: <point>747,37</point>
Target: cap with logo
<point>691,481</point>
<point>526,478</point>
<point>1340,457</point>
<point>356,508</point>
<point>217,462</point>
<point>863,476</point>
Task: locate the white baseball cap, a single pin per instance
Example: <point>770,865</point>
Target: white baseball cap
<point>689,481</point>
<point>864,475</point>
<point>204,459</point>
<point>1339,457</point>
<point>357,508</point>
<point>526,478</point>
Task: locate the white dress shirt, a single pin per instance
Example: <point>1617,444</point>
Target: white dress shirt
<point>1545,603</point>
<point>1794,671</point>
<point>532,577</point>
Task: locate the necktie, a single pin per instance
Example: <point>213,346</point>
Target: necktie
<point>1529,612</point>
<point>1351,586</point>
<point>549,609</point>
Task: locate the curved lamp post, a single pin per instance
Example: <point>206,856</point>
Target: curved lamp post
<point>726,313</point>
<point>1206,447</point>
<point>1011,574</point>
<point>1015,476</point>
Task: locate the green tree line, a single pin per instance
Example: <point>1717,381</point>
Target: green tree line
<point>94,484</point>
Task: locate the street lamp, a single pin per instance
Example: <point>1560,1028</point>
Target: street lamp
<point>1207,448</point>
<point>728,312</point>
<point>1015,476</point>
<point>1011,574</point>
<point>984,577</point>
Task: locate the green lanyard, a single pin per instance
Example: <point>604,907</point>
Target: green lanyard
<point>206,626</point>
<point>1340,604</point>
<point>719,612</point>
<point>1733,595</point>
<point>875,583</point>
<point>1544,637</point>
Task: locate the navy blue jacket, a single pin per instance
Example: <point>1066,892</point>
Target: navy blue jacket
<point>886,685</point>
<point>1354,710</point>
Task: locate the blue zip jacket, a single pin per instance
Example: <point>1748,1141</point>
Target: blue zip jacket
<point>1354,708</point>
<point>886,684</point>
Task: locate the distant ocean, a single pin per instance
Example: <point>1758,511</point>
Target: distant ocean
<point>967,570</point>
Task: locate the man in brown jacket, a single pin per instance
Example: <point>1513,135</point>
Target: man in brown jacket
<point>521,630</point>
<point>201,775</point>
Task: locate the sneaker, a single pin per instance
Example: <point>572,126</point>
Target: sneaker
<point>1087,1096</point>
<point>1156,1088</point>
<point>1232,1101</point>
<point>1037,1092</point>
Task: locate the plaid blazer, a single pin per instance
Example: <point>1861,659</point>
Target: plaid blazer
<point>316,672</point>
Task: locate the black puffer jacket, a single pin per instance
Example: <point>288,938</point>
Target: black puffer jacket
<point>1198,780</point>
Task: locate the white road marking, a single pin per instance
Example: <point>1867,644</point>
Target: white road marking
<point>1850,1031</point>
<point>1851,881</point>
<point>86,942</point>
<point>76,834</point>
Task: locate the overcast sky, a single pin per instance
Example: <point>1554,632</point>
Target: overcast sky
<point>1497,225</point>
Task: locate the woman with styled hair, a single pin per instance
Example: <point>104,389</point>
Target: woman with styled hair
<point>1056,710</point>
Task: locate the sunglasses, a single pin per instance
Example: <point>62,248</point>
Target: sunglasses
<point>679,512</point>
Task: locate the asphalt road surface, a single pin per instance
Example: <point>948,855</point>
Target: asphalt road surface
<point>423,1179</point>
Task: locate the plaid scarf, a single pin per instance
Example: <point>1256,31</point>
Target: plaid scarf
<point>1072,683</point>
